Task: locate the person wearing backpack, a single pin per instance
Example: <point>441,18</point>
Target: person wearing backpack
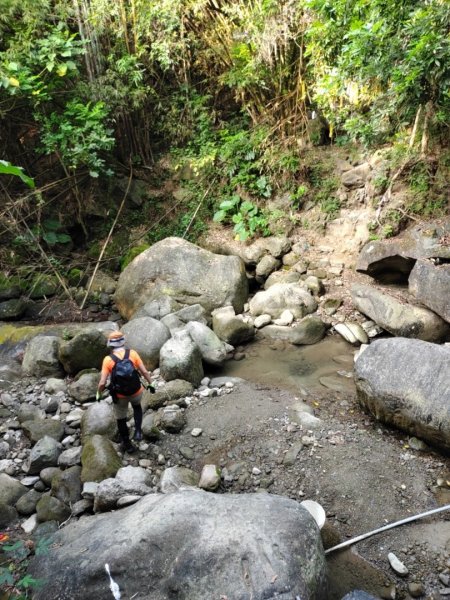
<point>123,367</point>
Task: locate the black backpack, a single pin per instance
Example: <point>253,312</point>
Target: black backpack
<point>124,377</point>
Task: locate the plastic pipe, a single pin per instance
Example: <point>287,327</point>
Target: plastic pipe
<point>386,527</point>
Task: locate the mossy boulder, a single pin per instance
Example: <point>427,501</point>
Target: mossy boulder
<point>12,309</point>
<point>84,351</point>
<point>11,287</point>
<point>66,485</point>
<point>99,459</point>
<point>176,268</point>
<point>43,285</point>
<point>36,429</point>
<point>52,509</point>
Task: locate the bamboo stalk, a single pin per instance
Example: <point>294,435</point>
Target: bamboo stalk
<point>123,16</point>
<point>425,129</point>
<point>415,126</point>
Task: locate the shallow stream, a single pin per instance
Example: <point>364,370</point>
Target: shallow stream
<point>328,364</point>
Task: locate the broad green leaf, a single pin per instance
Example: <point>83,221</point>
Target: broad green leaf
<point>51,224</point>
<point>8,169</point>
<point>219,216</point>
<point>64,238</point>
<point>62,69</point>
<point>226,204</point>
<point>50,237</point>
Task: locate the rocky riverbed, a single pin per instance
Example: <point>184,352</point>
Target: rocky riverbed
<point>292,432</point>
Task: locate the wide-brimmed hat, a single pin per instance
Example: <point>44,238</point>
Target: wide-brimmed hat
<point>116,339</point>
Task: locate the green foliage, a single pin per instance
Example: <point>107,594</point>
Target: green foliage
<point>13,565</point>
<point>74,277</point>
<point>7,168</point>
<point>79,135</point>
<point>330,206</point>
<point>375,63</point>
<point>298,197</point>
<point>240,154</point>
<point>248,219</point>
<point>47,231</point>
<point>419,178</point>
<point>39,71</point>
<point>131,255</point>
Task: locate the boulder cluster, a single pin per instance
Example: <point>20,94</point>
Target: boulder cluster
<point>405,380</point>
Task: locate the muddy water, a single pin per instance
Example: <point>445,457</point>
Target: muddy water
<point>328,364</point>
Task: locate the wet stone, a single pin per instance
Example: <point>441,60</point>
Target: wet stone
<point>187,453</point>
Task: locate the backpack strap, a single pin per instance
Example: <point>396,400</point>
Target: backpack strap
<point>116,358</point>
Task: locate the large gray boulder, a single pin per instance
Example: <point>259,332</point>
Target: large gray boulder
<point>310,330</point>
<point>392,260</point>
<point>41,357</point>
<point>10,489</point>
<point>396,314</point>
<point>84,388</point>
<point>231,328</point>
<point>174,267</point>
<point>212,349</point>
<point>36,429</point>
<point>280,297</point>
<point>430,284</point>
<point>147,336</point>
<point>45,453</point>
<point>406,383</point>
<point>237,546</point>
<point>66,485</point>
<point>84,351</point>
<point>99,419</point>
<point>180,358</point>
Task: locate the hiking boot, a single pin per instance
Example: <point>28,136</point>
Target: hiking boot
<point>128,447</point>
<point>137,435</point>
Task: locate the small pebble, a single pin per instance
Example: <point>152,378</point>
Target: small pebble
<point>397,565</point>
<point>416,589</point>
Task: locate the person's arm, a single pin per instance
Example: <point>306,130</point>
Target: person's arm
<point>141,368</point>
<point>145,374</point>
<point>104,376</point>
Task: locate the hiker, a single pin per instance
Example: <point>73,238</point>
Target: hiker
<point>122,367</point>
